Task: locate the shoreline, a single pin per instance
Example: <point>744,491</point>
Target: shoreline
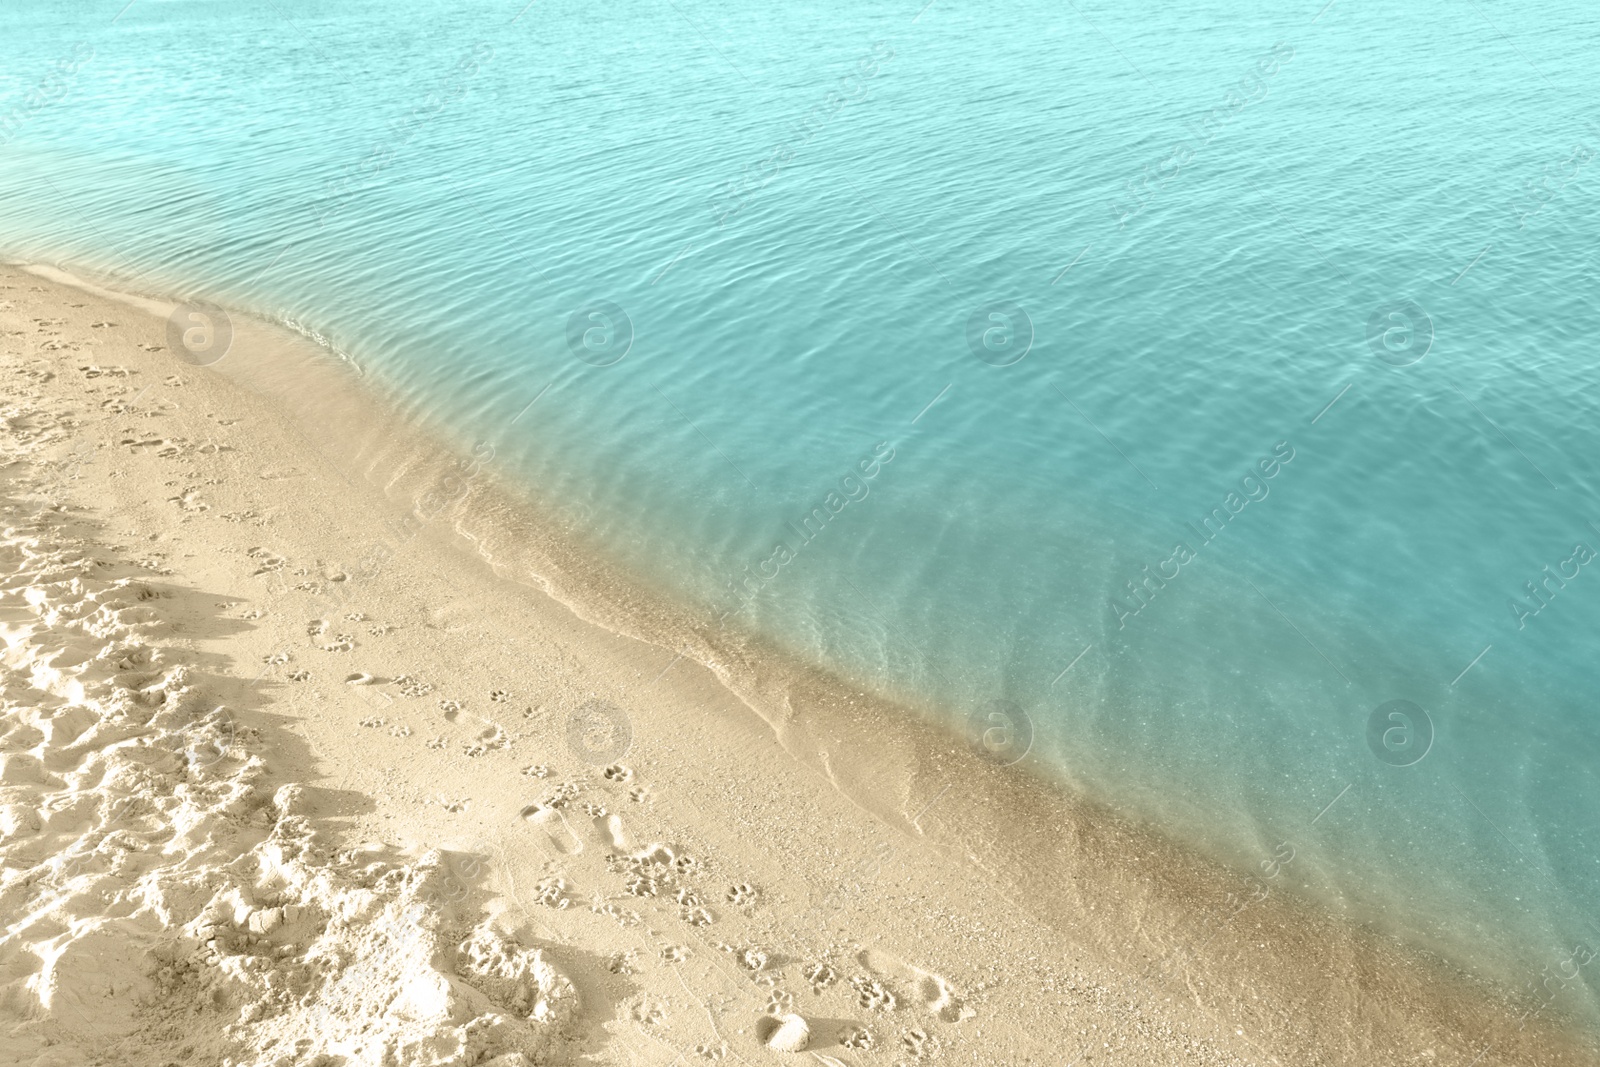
<point>1023,872</point>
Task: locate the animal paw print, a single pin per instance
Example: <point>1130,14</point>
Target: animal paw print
<point>715,1053</point>
<point>622,962</point>
<point>649,1013</point>
<point>340,643</point>
<point>266,560</point>
<point>617,773</point>
<point>639,794</point>
<point>623,916</point>
<point>695,916</point>
<point>399,731</point>
<point>920,1044</point>
<point>858,1038</point>
<point>276,659</point>
<point>499,696</point>
<point>299,676</point>
<point>686,865</point>
<point>189,500</point>
<point>779,1002</point>
<point>643,886</point>
<point>871,993</point>
<point>674,954</point>
<point>742,894</point>
<point>593,810</point>
<point>372,721</point>
<point>489,739</point>
<point>451,708</point>
<point>753,958</point>
<point>413,687</point>
<point>821,976</point>
<point>356,616</point>
<point>316,627</point>
<point>536,770</point>
<point>552,893</point>
<point>564,794</point>
<point>380,629</point>
<point>436,742</point>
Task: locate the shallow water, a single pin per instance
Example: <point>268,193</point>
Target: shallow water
<point>1337,263</point>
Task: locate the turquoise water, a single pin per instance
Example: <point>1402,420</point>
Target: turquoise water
<point>745,257</point>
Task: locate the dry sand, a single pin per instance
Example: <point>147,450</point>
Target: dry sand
<point>318,747</point>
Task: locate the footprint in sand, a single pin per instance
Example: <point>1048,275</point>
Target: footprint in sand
<point>932,991</point>
<point>555,828</point>
<point>611,832</point>
<point>742,894</point>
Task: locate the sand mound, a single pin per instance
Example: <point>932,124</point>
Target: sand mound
<point>167,901</point>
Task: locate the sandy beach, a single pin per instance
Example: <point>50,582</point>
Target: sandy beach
<point>321,746</point>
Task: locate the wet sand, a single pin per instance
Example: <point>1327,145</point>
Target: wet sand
<point>321,739</point>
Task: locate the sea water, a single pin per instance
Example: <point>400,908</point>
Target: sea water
<point>1199,399</point>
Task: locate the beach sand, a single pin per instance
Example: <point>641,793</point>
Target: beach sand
<point>322,746</point>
